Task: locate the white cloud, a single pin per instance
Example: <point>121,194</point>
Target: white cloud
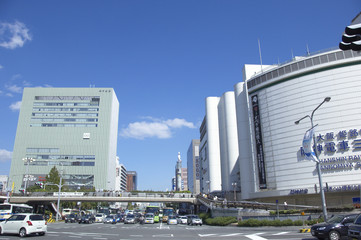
<point>5,155</point>
<point>13,35</point>
<point>15,106</point>
<point>156,128</point>
<point>178,123</point>
<point>1,66</point>
<point>14,88</point>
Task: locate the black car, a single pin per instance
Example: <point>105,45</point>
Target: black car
<point>72,218</point>
<point>354,230</point>
<point>88,218</point>
<point>335,228</point>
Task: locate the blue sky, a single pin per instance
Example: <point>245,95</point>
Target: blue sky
<point>162,57</point>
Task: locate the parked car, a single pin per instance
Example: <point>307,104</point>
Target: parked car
<point>130,218</point>
<point>194,220</point>
<point>24,224</point>
<point>87,218</point>
<point>172,220</point>
<point>354,229</point>
<point>72,218</point>
<point>149,218</point>
<point>99,217</point>
<point>110,219</point>
<point>334,228</point>
<point>182,219</point>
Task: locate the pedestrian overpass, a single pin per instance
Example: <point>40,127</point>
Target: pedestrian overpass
<point>46,197</point>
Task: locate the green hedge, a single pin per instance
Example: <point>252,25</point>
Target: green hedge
<point>220,221</point>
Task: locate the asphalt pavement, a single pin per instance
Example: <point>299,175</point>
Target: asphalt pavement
<point>121,231</point>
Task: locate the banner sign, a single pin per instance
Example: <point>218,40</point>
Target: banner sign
<point>259,144</point>
<point>307,146</point>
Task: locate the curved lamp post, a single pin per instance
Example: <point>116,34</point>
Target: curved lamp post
<point>324,209</point>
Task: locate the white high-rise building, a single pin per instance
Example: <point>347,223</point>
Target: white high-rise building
<point>73,129</point>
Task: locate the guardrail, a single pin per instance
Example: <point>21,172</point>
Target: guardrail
<point>102,196</point>
<point>221,203</point>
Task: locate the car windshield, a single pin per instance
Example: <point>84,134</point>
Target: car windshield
<point>336,219</point>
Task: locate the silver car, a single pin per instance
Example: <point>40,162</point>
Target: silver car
<point>194,220</point>
<point>24,224</point>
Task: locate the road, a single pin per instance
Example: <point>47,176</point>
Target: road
<point>120,231</point>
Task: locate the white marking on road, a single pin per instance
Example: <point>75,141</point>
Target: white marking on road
<point>231,234</point>
<point>280,233</point>
<point>256,237</point>
<point>207,235</point>
<point>135,235</point>
<point>75,237</point>
<point>163,235</point>
<point>100,238</point>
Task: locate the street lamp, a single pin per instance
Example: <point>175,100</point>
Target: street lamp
<point>324,209</point>
<point>27,160</point>
<point>234,184</point>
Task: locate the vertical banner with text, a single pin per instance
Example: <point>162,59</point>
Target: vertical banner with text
<point>259,144</point>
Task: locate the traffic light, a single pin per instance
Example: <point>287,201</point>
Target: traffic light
<point>40,184</point>
<point>22,191</point>
<point>351,39</point>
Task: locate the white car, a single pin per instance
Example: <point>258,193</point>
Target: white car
<point>24,224</point>
<point>172,220</point>
<point>99,217</point>
<point>182,219</point>
<point>149,218</point>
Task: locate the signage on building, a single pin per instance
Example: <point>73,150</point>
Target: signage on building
<point>259,143</point>
<point>345,142</point>
<point>198,168</point>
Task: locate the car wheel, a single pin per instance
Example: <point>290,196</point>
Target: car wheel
<point>333,235</point>
<point>42,234</point>
<point>22,232</point>
<point>0,231</point>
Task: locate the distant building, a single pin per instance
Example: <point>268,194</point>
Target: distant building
<point>121,177</point>
<point>193,167</point>
<point>74,129</point>
<point>173,184</point>
<point>131,181</point>
<point>3,183</point>
<point>184,176</point>
<point>178,174</point>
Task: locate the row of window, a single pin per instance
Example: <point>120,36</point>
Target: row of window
<point>69,98</point>
<point>66,104</point>
<point>64,119</point>
<point>56,163</point>
<point>62,125</point>
<point>77,157</point>
<point>65,109</point>
<point>309,62</point>
<point>42,150</point>
<point>65,114</point>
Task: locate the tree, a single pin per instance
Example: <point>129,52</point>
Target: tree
<point>53,178</point>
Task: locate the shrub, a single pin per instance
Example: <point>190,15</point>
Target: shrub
<point>298,223</point>
<point>204,216</point>
<point>220,221</point>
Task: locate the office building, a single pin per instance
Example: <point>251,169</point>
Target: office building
<point>131,181</point>
<point>121,177</point>
<point>193,167</point>
<point>184,177</point>
<point>73,129</point>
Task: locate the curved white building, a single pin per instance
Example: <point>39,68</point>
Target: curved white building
<point>271,160</point>
<point>281,95</point>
